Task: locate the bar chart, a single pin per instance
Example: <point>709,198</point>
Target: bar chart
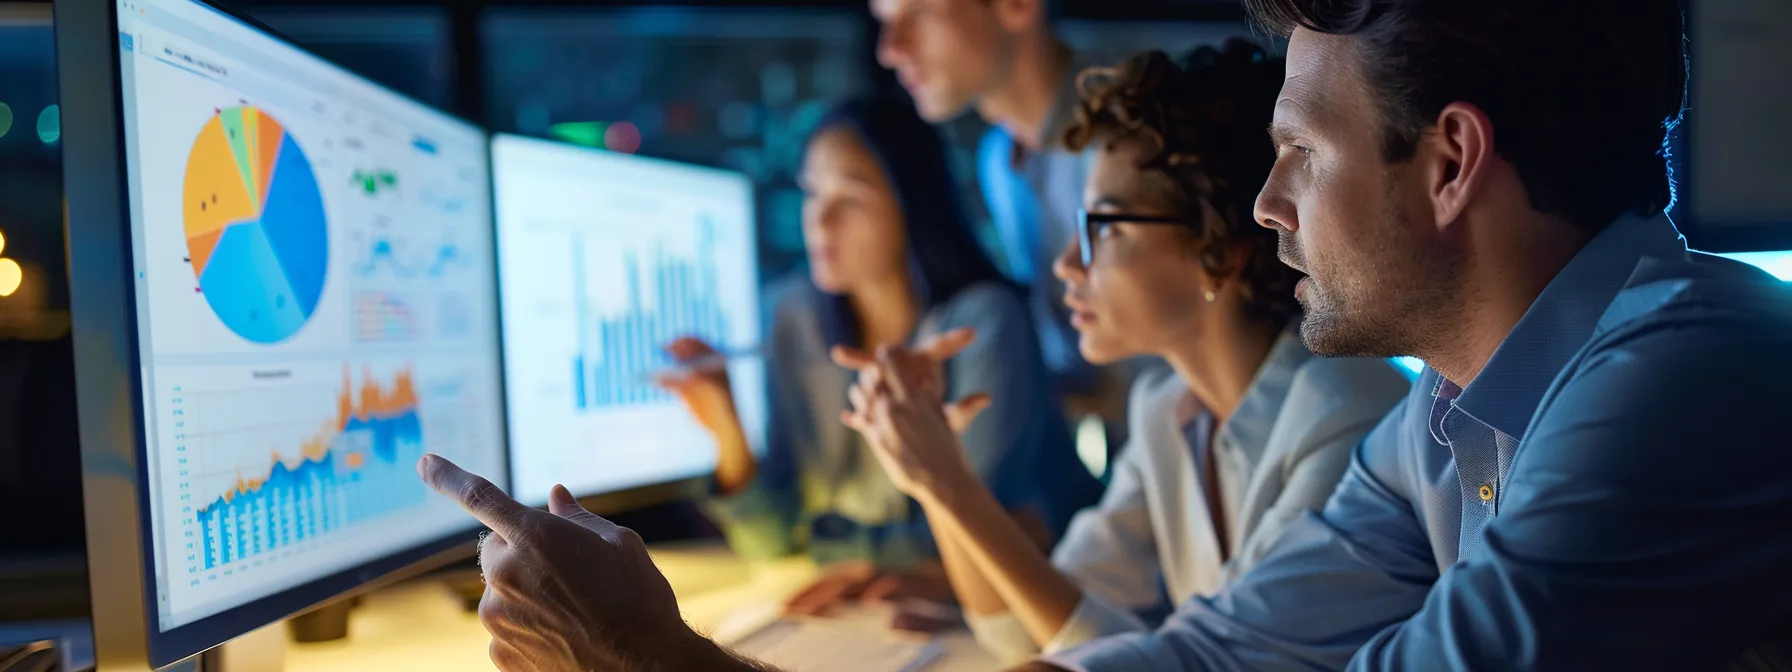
<point>605,259</point>
<point>618,353</point>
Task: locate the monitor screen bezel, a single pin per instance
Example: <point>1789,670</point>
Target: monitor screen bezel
<point>645,494</point>
<point>109,377</point>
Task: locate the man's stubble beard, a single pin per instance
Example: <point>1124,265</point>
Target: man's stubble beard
<point>1388,313</point>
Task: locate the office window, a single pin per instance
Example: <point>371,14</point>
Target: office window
<point>33,270</point>
<point>733,88</point>
<point>40,493</point>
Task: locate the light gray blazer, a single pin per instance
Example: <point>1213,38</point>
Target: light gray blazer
<point>1151,544</point>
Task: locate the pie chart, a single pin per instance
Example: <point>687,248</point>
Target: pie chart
<point>255,225</point>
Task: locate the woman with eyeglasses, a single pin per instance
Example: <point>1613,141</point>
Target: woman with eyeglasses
<point>1244,432</point>
<point>892,261</point>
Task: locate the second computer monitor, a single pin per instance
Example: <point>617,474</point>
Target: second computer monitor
<point>604,260</point>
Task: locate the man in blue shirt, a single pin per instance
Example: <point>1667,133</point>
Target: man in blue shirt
<point>1592,474</point>
<point>1592,471</point>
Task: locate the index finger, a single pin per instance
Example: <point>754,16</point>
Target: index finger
<point>851,358</point>
<point>946,345</point>
<point>475,494</point>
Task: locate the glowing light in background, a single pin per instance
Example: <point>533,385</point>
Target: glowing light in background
<point>1410,364</point>
<point>1777,263</point>
<point>622,137</point>
<point>49,125</point>
<point>5,119</point>
<point>587,133</point>
<point>1092,445</point>
<point>10,273</point>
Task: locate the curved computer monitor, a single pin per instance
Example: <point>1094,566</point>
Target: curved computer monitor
<point>284,294</point>
<point>604,259</point>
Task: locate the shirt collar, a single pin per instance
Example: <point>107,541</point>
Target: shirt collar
<point>1561,321</point>
<point>1251,423</point>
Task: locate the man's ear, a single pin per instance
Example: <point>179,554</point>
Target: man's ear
<point>1456,156</point>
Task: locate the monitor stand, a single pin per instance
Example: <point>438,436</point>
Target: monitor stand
<point>261,650</point>
<point>327,623</point>
<point>467,584</point>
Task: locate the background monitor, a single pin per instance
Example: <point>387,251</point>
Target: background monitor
<point>309,306</point>
<point>604,258</point>
<point>1739,155</point>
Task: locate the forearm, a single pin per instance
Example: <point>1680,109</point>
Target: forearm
<point>735,464</point>
<point>974,591</point>
<point>1006,557</point>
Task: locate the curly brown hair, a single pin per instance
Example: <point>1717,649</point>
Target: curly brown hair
<point>1203,124</point>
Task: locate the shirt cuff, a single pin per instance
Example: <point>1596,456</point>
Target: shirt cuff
<point>1119,652</point>
<point>1093,619</point>
<point>1003,636</point>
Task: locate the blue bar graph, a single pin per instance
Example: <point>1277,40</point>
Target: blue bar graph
<point>618,353</point>
<point>317,497</point>
<point>362,470</point>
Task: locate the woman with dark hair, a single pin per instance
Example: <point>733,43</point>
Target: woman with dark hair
<point>1245,432</point>
<point>892,262</point>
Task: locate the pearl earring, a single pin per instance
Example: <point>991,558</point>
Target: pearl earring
<point>1210,296</point>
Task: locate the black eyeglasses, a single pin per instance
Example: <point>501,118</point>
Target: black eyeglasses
<point>1087,221</point>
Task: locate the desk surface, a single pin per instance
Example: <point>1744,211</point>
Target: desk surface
<point>420,625</point>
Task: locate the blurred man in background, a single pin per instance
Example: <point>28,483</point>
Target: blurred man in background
<point>1001,58</point>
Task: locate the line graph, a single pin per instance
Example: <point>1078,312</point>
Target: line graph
<point>401,258</point>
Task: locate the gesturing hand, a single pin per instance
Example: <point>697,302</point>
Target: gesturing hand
<point>896,405</point>
<point>704,390</point>
<point>568,591</point>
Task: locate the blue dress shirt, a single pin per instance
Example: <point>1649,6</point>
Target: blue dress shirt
<point>1032,199</point>
<point>1613,491</point>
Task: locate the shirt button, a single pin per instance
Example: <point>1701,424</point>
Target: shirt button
<point>1486,492</point>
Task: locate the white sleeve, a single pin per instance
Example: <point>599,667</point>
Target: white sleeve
<point>1110,552</point>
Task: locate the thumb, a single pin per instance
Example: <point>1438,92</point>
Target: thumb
<point>946,345</point>
<point>561,503</point>
<point>960,414</point>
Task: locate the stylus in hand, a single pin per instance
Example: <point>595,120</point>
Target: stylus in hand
<point>710,363</point>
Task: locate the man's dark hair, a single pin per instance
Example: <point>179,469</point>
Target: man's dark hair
<point>1581,93</point>
<point>1201,121</point>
